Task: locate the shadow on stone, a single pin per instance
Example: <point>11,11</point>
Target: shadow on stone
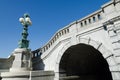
<point>37,62</point>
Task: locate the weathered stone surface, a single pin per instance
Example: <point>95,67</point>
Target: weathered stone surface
<point>28,75</point>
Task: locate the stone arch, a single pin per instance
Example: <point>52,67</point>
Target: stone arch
<point>97,45</point>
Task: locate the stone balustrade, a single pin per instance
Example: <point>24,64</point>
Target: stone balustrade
<point>92,18</point>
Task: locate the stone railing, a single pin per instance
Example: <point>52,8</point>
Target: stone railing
<point>55,38</point>
<point>92,18</point>
<point>36,53</point>
<point>59,34</point>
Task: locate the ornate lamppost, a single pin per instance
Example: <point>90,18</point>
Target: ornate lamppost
<point>25,21</point>
<point>21,68</point>
<point>22,54</point>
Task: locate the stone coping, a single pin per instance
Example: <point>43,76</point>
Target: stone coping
<point>27,74</point>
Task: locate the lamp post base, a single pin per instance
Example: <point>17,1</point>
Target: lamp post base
<point>22,61</point>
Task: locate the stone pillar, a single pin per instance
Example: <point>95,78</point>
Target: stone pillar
<point>21,66</point>
<point>22,61</point>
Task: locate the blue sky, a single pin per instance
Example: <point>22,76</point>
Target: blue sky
<point>47,16</point>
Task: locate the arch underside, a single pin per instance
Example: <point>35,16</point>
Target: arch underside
<point>83,62</point>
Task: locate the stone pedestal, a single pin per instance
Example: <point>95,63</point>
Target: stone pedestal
<point>20,67</point>
<point>22,61</point>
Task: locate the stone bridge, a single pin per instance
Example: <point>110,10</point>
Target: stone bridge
<point>86,49</point>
